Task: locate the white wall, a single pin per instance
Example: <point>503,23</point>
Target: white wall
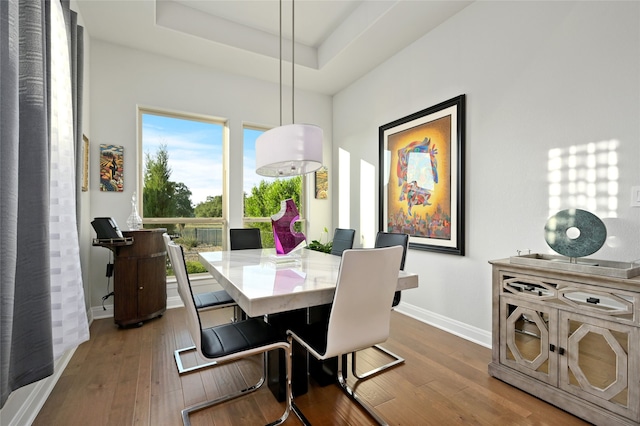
<point>122,79</point>
<point>537,76</point>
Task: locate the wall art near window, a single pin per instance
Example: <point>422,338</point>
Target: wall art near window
<point>422,177</point>
<point>322,183</point>
<point>85,163</point>
<point>111,168</point>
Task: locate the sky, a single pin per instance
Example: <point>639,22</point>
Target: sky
<point>195,153</point>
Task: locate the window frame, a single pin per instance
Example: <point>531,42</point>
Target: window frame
<point>141,110</point>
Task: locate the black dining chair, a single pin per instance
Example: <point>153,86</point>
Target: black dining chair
<point>342,240</point>
<point>229,342</point>
<point>387,239</point>
<point>203,301</point>
<point>245,238</point>
<point>360,314</point>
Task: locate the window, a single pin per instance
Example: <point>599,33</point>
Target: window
<point>262,195</point>
<point>181,179</point>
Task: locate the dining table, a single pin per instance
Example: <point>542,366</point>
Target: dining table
<point>286,288</point>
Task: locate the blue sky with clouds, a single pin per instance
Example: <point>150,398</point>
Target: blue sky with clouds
<point>195,153</point>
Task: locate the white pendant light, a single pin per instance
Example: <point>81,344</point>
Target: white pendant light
<point>292,149</point>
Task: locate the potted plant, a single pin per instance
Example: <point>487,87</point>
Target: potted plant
<point>318,245</point>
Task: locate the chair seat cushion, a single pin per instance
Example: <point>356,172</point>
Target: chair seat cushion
<point>227,339</point>
<point>214,298</point>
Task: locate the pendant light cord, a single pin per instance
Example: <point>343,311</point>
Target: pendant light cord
<point>280,62</point>
<point>293,61</point>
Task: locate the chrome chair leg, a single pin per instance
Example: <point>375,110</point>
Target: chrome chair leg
<point>289,408</point>
<point>342,381</point>
<point>181,368</point>
<point>396,360</point>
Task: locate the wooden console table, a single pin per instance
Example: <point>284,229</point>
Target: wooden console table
<point>140,276</point>
<point>571,339</point>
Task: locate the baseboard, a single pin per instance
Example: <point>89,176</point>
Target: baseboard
<point>460,329</point>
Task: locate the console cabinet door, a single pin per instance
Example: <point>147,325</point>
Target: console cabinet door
<point>601,363</point>
<point>528,338</point>
<point>152,286</point>
<point>125,292</point>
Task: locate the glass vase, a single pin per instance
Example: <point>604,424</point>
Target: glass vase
<point>134,222</point>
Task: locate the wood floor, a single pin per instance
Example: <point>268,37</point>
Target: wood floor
<point>129,377</point>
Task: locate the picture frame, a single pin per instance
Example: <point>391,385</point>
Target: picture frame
<point>421,182</point>
<point>322,183</point>
<point>111,168</point>
<point>85,163</point>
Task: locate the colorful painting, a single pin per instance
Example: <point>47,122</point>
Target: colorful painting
<point>422,155</point>
<point>322,183</point>
<point>111,168</point>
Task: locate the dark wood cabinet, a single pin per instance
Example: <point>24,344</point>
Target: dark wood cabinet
<point>140,277</point>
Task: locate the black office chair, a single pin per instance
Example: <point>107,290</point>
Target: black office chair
<point>360,314</point>
<point>245,238</point>
<point>342,240</point>
<point>386,239</point>
<point>229,342</point>
<point>203,302</point>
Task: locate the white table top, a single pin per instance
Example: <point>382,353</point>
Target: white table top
<point>262,282</point>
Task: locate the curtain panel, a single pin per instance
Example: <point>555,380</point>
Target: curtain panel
<point>42,310</point>
<point>26,344</point>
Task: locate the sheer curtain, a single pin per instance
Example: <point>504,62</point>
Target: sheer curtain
<point>69,318</point>
<point>42,310</point>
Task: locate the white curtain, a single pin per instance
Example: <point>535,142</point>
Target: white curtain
<point>69,317</point>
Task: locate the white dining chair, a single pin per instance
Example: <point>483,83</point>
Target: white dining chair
<point>229,342</point>
<point>385,239</point>
<point>360,313</point>
<point>203,301</point>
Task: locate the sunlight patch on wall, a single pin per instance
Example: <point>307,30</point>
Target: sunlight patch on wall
<point>344,189</point>
<point>584,177</point>
<point>367,203</point>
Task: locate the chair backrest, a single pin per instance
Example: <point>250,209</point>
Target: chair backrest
<point>245,238</point>
<point>360,312</point>
<point>342,240</point>
<point>176,255</point>
<point>389,239</point>
<point>167,240</point>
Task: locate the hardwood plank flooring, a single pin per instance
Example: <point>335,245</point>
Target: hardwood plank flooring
<point>129,377</point>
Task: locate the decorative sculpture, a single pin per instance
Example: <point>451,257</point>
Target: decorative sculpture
<point>590,233</point>
<point>284,237</point>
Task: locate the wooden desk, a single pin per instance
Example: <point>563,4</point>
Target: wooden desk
<point>284,287</point>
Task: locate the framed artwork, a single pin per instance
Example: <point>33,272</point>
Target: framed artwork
<point>111,168</point>
<point>85,163</point>
<point>322,183</point>
<point>422,177</point>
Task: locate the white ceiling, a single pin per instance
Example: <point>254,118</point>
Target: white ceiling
<point>337,41</point>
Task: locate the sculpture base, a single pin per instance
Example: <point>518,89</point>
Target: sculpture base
<point>605,268</point>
